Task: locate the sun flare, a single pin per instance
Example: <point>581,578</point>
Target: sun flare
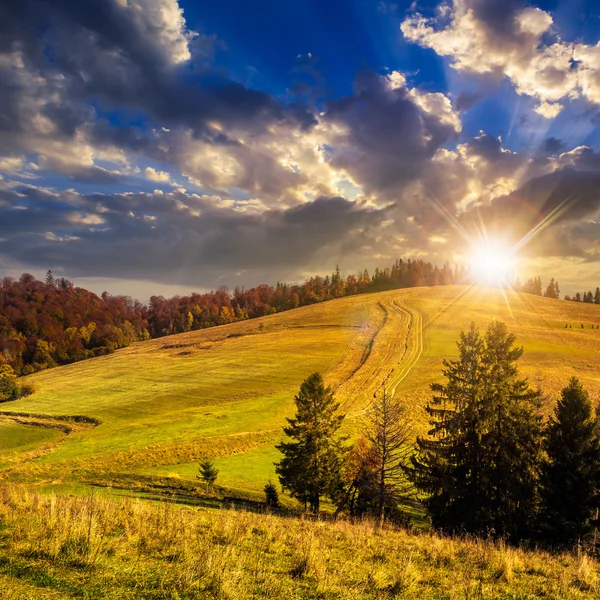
<point>493,263</point>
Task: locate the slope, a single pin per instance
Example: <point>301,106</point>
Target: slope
<point>153,409</point>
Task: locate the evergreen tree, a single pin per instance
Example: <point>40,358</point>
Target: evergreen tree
<point>538,286</point>
<point>552,290</point>
<point>208,473</point>
<point>479,467</point>
<point>570,474</point>
<point>597,296</point>
<point>50,278</point>
<point>312,461</point>
<point>388,431</point>
<point>271,495</point>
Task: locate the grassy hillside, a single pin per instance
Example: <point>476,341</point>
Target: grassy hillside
<point>153,409</point>
<point>54,548</point>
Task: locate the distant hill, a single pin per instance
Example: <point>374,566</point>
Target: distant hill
<point>52,322</point>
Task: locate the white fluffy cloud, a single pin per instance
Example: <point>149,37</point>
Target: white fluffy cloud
<point>511,40</point>
<point>161,20</point>
<point>157,176</point>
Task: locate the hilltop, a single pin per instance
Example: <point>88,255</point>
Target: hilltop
<point>145,414</point>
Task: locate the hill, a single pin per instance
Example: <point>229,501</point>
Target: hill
<point>141,418</point>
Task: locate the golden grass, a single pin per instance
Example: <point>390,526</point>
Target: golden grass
<point>65,547</point>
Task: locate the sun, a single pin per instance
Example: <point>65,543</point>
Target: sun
<point>492,263</point>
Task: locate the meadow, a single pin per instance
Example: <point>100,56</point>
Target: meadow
<point>59,547</point>
<point>141,418</point>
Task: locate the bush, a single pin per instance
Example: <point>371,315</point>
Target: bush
<point>9,389</point>
<point>26,389</point>
<point>102,351</point>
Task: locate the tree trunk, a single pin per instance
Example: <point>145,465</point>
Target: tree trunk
<point>381,498</point>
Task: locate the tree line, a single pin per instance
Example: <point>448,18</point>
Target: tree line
<point>534,286</point>
<point>490,465</point>
<point>588,297</point>
<point>52,322</point>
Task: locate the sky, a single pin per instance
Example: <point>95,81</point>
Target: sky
<point>164,146</point>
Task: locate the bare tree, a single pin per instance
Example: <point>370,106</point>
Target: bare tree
<point>389,431</point>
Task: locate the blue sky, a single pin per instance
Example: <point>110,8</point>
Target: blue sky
<point>163,146</point>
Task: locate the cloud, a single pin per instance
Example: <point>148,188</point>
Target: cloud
<point>94,91</point>
<point>60,61</point>
<point>507,38</point>
<point>157,176</point>
<point>557,197</point>
<point>385,134</point>
<point>191,239</point>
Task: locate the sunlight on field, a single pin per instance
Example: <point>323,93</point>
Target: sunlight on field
<point>225,391</point>
<point>71,547</point>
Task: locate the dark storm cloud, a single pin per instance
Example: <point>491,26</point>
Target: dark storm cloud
<point>390,137</point>
<point>176,237</point>
<point>552,145</point>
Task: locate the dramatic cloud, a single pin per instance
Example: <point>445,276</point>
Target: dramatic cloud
<point>509,38</point>
<point>387,133</point>
<point>126,152</point>
<point>177,237</point>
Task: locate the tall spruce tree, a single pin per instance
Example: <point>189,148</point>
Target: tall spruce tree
<point>570,474</point>
<point>312,461</point>
<point>480,465</point>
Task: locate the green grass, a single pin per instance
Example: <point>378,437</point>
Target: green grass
<point>16,437</point>
<point>226,391</point>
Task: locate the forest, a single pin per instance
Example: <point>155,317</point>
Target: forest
<point>52,322</point>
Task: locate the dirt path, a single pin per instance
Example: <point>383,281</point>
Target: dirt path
<point>405,341</point>
<point>414,345</point>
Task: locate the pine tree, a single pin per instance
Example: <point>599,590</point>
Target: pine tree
<point>538,286</point>
<point>571,471</point>
<point>480,464</point>
<point>388,430</point>
<point>597,296</point>
<point>208,473</point>
<point>312,461</point>
<point>552,290</point>
<point>271,496</point>
<point>50,278</point>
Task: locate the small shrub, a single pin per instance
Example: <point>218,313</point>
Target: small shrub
<point>271,496</point>
<point>26,389</point>
<point>208,473</point>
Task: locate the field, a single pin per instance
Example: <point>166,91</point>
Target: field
<point>54,548</point>
<point>140,419</point>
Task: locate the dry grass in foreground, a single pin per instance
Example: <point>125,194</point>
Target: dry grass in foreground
<point>72,547</point>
